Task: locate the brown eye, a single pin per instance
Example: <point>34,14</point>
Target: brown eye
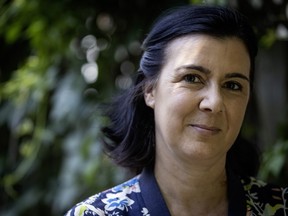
<point>235,86</point>
<point>191,78</point>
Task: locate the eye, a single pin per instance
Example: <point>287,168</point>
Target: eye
<point>235,86</point>
<point>191,78</point>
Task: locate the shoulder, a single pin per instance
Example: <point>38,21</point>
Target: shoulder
<point>264,198</point>
<point>119,200</point>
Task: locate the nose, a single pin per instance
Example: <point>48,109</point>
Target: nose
<point>212,100</point>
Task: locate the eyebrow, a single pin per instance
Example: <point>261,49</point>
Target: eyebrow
<point>194,67</point>
<point>237,75</point>
<point>207,71</point>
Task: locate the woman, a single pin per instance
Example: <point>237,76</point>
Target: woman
<point>178,125</point>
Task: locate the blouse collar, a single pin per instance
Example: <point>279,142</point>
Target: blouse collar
<point>156,205</point>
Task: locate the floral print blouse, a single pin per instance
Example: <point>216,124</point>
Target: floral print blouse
<point>141,196</point>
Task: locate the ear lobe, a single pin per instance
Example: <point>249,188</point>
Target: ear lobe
<point>149,96</point>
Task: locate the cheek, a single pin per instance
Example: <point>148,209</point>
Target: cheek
<point>237,113</point>
<point>172,110</point>
<point>176,114</point>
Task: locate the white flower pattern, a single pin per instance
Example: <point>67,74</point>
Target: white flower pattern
<point>118,200</point>
<point>145,212</point>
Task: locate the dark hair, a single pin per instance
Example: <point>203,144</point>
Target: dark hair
<point>131,132</point>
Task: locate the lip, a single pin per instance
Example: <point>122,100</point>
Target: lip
<point>206,129</point>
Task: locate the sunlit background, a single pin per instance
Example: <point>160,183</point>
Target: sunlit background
<point>60,60</point>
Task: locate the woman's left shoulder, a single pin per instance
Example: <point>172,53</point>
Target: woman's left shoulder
<point>268,199</point>
<point>119,200</point>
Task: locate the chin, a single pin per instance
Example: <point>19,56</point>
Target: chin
<point>202,154</point>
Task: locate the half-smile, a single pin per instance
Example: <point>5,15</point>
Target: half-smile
<point>206,127</point>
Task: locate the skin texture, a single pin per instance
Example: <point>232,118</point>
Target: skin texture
<point>199,103</point>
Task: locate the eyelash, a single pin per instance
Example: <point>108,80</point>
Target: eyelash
<point>188,77</point>
<point>234,86</point>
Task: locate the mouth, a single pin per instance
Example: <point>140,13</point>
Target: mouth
<point>206,128</point>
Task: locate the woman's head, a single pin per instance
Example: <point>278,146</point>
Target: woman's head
<point>132,128</point>
<point>199,99</point>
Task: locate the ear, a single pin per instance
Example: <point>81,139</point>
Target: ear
<point>149,94</point>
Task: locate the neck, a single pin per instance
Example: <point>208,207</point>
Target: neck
<point>197,189</point>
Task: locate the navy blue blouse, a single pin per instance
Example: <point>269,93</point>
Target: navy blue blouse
<point>141,195</point>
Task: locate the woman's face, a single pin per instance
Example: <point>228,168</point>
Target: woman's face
<point>200,97</point>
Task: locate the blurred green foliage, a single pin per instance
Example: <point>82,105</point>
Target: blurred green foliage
<point>58,61</point>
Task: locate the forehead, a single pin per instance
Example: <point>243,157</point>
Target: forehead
<point>196,40</point>
<point>226,54</point>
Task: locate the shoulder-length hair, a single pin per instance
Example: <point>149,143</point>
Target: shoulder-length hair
<point>131,132</point>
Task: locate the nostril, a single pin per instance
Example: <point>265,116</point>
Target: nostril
<point>208,109</point>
